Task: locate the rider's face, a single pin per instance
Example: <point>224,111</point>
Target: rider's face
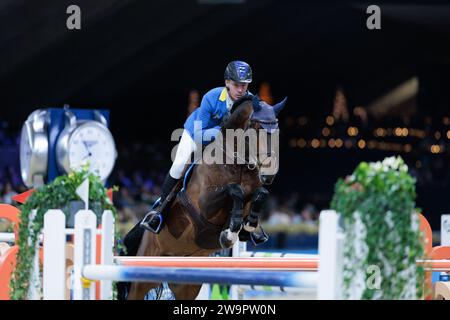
<point>236,89</point>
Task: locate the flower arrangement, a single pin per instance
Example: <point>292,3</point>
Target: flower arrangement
<point>381,227</point>
<point>55,195</point>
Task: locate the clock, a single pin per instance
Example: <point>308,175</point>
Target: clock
<point>34,149</point>
<point>86,143</point>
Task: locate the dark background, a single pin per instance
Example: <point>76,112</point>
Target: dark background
<point>140,58</point>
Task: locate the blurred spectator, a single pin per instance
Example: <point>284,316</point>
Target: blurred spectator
<point>193,100</point>
<point>125,200</point>
<point>280,216</point>
<point>14,176</point>
<point>7,193</point>
<point>5,137</point>
<point>123,180</point>
<point>309,214</point>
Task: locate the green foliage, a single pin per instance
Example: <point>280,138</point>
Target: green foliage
<point>383,196</point>
<point>55,195</point>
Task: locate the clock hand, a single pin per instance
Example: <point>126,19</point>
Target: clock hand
<point>87,149</point>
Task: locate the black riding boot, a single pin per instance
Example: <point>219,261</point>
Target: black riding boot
<point>154,219</point>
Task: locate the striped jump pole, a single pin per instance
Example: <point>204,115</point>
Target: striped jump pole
<point>261,254</point>
<point>246,263</point>
<point>196,276</point>
<point>259,263</point>
<point>277,289</point>
<point>7,237</point>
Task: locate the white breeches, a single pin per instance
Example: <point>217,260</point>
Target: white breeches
<point>185,149</point>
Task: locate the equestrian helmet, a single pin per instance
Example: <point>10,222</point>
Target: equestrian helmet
<point>238,71</point>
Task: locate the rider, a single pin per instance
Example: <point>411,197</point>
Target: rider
<point>214,108</point>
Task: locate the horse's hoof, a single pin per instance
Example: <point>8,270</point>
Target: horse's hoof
<point>244,236</point>
<point>259,238</point>
<point>227,238</point>
<point>248,227</point>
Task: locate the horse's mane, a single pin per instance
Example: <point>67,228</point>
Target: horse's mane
<point>241,100</point>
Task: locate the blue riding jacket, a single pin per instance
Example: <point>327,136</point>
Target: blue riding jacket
<point>208,116</point>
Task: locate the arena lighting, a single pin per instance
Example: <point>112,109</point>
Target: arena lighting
<point>398,132</point>
<point>435,148</point>
<point>379,132</point>
<point>330,120</point>
<point>315,143</point>
<point>437,135</point>
<point>448,134</point>
<point>361,144</point>
<point>394,97</point>
<point>352,131</point>
<point>301,143</point>
<point>405,132</point>
<point>325,132</point>
<point>331,143</point>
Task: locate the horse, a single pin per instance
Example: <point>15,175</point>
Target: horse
<point>221,203</point>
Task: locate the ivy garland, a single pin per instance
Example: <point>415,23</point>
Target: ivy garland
<point>377,205</point>
<point>55,195</point>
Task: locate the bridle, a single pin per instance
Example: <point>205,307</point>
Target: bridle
<point>251,165</point>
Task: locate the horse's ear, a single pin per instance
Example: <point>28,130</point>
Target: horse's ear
<point>256,106</point>
<point>279,106</point>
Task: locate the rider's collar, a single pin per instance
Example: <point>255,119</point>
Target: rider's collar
<point>223,95</point>
<point>229,102</point>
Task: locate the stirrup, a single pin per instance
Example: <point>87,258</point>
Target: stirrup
<point>146,225</point>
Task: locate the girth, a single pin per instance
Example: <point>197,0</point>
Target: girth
<point>206,233</point>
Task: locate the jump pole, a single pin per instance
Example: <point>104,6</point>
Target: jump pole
<point>200,276</point>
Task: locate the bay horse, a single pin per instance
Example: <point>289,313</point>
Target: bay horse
<point>220,204</point>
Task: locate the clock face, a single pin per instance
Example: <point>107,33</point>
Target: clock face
<point>92,144</point>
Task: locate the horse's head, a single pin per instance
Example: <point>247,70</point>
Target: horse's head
<point>252,115</point>
<point>264,118</point>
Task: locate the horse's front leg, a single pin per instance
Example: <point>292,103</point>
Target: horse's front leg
<point>251,222</point>
<point>230,235</point>
<point>260,196</point>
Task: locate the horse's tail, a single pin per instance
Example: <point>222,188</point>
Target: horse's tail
<point>122,290</point>
<point>131,244</point>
